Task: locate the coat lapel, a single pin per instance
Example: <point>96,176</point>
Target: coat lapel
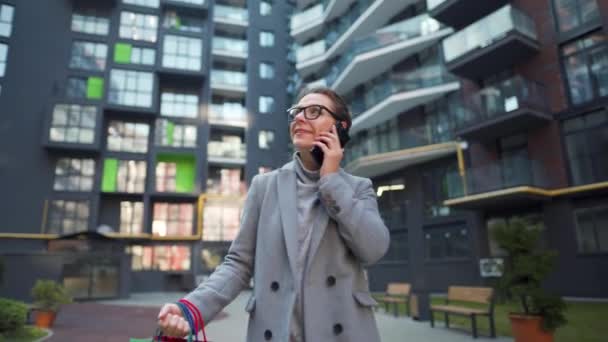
<point>289,215</point>
<point>318,230</point>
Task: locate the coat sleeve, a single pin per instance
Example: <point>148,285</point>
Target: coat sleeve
<point>234,274</point>
<point>356,211</point>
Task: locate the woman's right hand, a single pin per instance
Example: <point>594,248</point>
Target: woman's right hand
<point>171,321</point>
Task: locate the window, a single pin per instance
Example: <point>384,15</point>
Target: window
<point>89,56</point>
<point>586,64</point>
<point>90,24</point>
<point>175,172</point>
<point>266,39</point>
<point>6,20</point>
<point>68,217</point>
<point>586,139</point>
<point>393,203</point>
<point>226,146</point>
<point>265,139</point>
<point>592,229</point>
<point>73,124</point>
<point>162,258</point>
<point>447,242</point>
<point>221,219</point>
<point>85,88</point>
<point>3,54</point>
<point>179,105</point>
<point>173,219</point>
<point>138,26</point>
<point>575,13</point>
<point>127,54</point>
<point>128,137</point>
<point>171,134</point>
<point>266,70</point>
<point>123,176</point>
<point>265,8</point>
<point>176,21</point>
<point>182,53</point>
<point>144,3</point>
<point>131,88</point>
<point>225,181</point>
<point>439,183</point>
<point>74,174</point>
<point>131,217</point>
<point>192,2</point>
<point>266,104</point>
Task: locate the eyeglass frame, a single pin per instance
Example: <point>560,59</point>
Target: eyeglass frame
<point>290,119</point>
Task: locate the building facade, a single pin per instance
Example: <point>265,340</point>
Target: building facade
<point>129,132</point>
<point>467,114</point>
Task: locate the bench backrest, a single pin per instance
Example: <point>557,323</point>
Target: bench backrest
<point>398,289</point>
<point>481,295</point>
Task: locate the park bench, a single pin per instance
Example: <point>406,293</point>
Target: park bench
<point>480,295</point>
<point>396,293</point>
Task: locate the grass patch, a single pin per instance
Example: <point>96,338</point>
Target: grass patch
<point>28,333</point>
<point>586,321</point>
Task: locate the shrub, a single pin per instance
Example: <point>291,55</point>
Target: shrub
<point>49,295</point>
<point>13,315</point>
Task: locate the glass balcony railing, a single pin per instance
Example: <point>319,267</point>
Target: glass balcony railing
<point>227,149</point>
<point>312,50</point>
<point>502,174</point>
<point>408,29</point>
<point>338,27</point>
<point>230,13</point>
<point>487,31</point>
<point>390,84</point>
<point>307,16</point>
<point>230,45</point>
<point>501,99</point>
<point>431,4</point>
<point>228,113</point>
<point>228,78</point>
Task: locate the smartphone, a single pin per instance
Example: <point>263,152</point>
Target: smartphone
<point>317,152</point>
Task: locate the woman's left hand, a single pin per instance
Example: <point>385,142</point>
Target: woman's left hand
<point>333,152</point>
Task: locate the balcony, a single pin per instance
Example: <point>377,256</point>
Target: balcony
<point>309,23</point>
<point>460,13</point>
<point>228,114</point>
<point>502,39</point>
<point>398,93</point>
<point>228,152</point>
<point>230,50</point>
<point>364,17</point>
<point>311,50</point>
<point>374,54</point>
<point>230,83</point>
<point>195,7</point>
<point>512,106</point>
<point>232,19</point>
<point>367,157</point>
<point>514,181</point>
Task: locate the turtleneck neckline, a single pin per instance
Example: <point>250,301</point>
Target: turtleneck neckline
<point>305,175</point>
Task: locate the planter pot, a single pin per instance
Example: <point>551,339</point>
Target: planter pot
<point>45,319</point>
<point>528,329</point>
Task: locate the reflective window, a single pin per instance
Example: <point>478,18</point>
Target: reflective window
<point>221,219</point>
<point>73,174</point>
<point>182,53</point>
<point>68,217</point>
<point>73,124</point>
<point>128,136</point>
<point>131,217</point>
<point>131,88</point>
<point>144,3</point>
<point>171,134</point>
<point>575,13</point>
<point>160,258</point>
<point>91,24</point>
<point>138,26</point>
<point>266,104</point>
<point>123,175</point>
<point>6,20</point>
<point>586,64</point>
<point>266,39</point>
<point>3,57</point>
<point>265,139</point>
<point>226,181</point>
<point>265,8</point>
<point>173,219</point>
<point>88,56</point>
<point>592,229</point>
<point>179,105</point>
<point>266,70</point>
<point>180,22</point>
<point>447,242</point>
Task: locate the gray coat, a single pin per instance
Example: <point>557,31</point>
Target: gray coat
<point>349,234</point>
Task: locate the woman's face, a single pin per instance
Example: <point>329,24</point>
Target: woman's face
<point>302,131</point>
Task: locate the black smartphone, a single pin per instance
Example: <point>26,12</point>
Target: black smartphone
<point>317,152</point>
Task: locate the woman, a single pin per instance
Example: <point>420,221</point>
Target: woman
<point>306,232</point>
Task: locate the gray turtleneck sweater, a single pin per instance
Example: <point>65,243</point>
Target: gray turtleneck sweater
<point>308,207</point>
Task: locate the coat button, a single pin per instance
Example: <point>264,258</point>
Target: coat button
<point>268,335</point>
<point>337,329</point>
<point>331,281</point>
<point>274,286</point>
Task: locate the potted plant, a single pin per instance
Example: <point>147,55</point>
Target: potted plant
<point>48,296</point>
<point>525,268</point>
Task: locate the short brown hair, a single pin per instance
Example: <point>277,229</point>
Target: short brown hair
<point>341,108</point>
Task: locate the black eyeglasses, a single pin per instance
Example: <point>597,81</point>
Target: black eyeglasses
<point>310,112</point>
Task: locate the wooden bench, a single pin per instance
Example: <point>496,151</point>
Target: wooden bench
<point>396,293</point>
<point>482,295</point>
